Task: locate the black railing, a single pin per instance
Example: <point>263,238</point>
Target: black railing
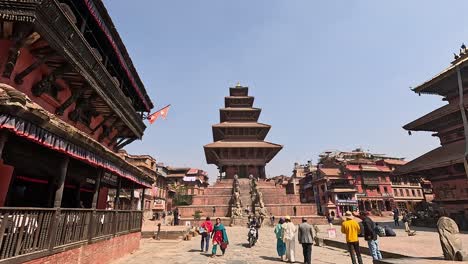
<point>44,230</point>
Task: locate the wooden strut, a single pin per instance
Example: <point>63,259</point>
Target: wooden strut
<point>463,114</point>
<point>18,42</point>
<point>124,143</point>
<point>107,118</point>
<point>70,100</point>
<point>45,85</point>
<point>20,76</point>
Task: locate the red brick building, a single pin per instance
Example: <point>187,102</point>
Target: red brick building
<point>70,98</point>
<point>361,180</point>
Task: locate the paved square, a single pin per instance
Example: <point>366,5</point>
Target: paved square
<point>181,252</point>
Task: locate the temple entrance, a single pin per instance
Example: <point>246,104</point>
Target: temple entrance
<point>388,205</point>
<point>243,172</point>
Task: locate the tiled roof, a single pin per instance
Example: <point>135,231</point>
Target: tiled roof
<point>241,124</point>
<point>330,171</point>
<point>440,157</point>
<point>192,171</point>
<point>242,144</point>
<point>366,167</point>
<point>395,162</point>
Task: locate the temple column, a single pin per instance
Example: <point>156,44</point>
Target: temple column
<point>117,194</point>
<point>63,169</point>
<point>6,171</point>
<point>97,186</point>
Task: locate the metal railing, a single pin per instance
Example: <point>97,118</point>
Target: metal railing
<point>43,230</point>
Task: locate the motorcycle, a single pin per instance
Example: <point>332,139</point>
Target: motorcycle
<point>252,236</point>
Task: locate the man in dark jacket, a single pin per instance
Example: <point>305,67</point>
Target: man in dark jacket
<point>370,235</point>
<point>306,236</point>
<point>396,216</point>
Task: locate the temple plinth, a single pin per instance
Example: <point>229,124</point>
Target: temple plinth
<point>239,145</point>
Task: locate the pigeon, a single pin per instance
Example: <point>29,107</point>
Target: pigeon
<point>455,56</point>
<point>463,46</point>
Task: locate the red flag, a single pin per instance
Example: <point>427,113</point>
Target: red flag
<point>162,112</point>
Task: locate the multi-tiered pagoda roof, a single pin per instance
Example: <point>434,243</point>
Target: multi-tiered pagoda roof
<point>239,146</point>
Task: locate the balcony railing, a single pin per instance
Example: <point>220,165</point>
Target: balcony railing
<point>47,230</point>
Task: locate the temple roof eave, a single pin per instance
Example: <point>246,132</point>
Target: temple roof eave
<point>439,113</point>
<point>240,124</point>
<point>242,144</point>
<point>212,158</point>
<point>442,156</point>
<point>443,76</point>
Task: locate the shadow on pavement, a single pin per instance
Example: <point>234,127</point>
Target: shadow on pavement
<point>271,258</point>
<point>194,250</point>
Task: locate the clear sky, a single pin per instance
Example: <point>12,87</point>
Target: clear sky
<point>327,74</point>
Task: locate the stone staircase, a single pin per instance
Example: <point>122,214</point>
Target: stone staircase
<point>275,198</point>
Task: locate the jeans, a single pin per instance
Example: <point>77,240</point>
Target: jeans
<point>397,223</point>
<point>307,252</point>
<point>374,249</point>
<point>353,248</point>
<point>205,240</point>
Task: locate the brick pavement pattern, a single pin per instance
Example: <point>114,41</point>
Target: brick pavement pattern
<point>181,252</point>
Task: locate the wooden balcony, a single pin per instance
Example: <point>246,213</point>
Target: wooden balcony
<point>29,233</point>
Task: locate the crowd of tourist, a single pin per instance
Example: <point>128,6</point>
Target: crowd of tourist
<point>287,232</point>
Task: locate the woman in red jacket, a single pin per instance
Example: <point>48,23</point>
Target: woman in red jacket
<point>206,227</point>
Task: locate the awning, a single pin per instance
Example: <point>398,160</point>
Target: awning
<point>443,156</point>
<point>23,117</point>
<point>47,139</point>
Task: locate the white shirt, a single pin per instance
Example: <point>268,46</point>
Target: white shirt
<point>289,231</point>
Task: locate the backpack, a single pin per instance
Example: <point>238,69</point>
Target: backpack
<point>389,231</point>
<point>380,231</point>
<point>201,230</point>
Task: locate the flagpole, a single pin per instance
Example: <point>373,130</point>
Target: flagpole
<point>158,110</point>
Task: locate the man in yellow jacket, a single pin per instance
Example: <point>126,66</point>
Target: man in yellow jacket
<point>351,229</point>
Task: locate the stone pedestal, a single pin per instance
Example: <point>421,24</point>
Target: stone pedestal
<point>238,221</point>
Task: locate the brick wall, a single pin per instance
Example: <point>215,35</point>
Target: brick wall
<point>97,253</point>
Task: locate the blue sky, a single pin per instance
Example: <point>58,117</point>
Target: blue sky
<point>328,74</point>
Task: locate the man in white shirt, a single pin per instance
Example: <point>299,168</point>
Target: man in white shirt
<point>289,235</point>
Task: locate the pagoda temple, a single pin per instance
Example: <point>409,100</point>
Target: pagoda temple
<point>240,152</point>
<point>446,166</point>
<point>239,146</point>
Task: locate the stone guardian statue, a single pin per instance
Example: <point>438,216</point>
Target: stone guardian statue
<point>450,240</point>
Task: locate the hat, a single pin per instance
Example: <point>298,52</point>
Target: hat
<point>348,215</point>
<point>287,217</point>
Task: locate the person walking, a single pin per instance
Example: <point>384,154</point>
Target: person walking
<point>351,229</point>
<point>176,217</point>
<point>306,237</point>
<point>396,216</point>
<point>405,219</point>
<point>289,235</point>
<point>280,245</point>
<point>330,220</point>
<point>370,235</point>
<point>220,238</point>
<point>205,230</point>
